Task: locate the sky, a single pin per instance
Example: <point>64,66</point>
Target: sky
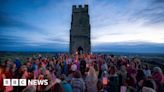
<point>116,25</point>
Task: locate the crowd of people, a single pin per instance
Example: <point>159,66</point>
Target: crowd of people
<point>83,73</point>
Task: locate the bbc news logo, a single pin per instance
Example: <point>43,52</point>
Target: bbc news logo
<point>24,82</point>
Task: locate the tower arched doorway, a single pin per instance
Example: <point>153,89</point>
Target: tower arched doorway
<point>80,50</point>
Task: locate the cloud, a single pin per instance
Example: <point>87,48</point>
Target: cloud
<point>13,43</point>
<point>6,21</point>
<point>45,24</point>
<point>131,47</point>
<point>128,22</point>
<point>152,14</point>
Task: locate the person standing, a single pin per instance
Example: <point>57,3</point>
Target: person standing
<point>91,80</point>
<point>77,82</point>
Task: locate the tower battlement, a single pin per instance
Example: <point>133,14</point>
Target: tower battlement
<point>80,8</point>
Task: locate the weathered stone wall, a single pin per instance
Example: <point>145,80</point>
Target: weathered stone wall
<point>80,29</point>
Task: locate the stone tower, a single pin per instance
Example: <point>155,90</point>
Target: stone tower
<point>80,30</point>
